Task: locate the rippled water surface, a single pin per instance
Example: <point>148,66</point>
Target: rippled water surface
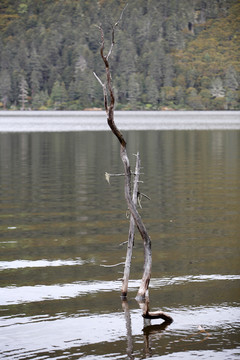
<point>61,225</point>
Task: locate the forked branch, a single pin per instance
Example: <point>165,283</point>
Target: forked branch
<point>109,101</point>
<point>135,219</point>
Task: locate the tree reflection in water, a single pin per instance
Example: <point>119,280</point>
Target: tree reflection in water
<point>148,328</point>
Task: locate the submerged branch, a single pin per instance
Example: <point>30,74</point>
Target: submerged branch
<point>158,315</point>
<point>121,263</point>
<point>144,305</point>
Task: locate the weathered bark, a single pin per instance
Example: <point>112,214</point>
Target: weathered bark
<point>131,233</point>
<point>108,89</point>
<point>142,295</point>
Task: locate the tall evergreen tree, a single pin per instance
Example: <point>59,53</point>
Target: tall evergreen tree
<point>231,79</point>
<point>133,90</point>
<point>59,94</point>
<point>217,89</point>
<point>23,92</point>
<point>5,87</point>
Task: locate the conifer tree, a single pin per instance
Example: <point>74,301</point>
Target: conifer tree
<point>23,92</point>
<point>5,87</point>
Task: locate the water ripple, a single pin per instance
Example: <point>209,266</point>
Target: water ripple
<point>20,264</point>
<point>25,294</point>
<point>178,280</point>
<point>33,339</point>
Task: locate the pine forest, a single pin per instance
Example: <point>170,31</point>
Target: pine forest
<point>168,54</point>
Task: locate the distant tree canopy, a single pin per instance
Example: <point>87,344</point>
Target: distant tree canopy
<point>176,54</point>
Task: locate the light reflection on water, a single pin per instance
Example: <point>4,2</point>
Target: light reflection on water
<point>19,264</point>
<point>24,294</point>
<point>73,333</point>
<point>60,220</point>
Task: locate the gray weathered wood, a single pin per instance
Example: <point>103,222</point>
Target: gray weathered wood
<point>109,107</point>
<point>131,233</point>
<point>142,295</point>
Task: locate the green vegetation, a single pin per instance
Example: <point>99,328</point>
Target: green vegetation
<point>175,54</point>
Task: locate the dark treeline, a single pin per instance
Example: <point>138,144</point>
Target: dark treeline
<point>176,54</point>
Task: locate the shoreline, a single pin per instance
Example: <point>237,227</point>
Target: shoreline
<point>66,121</point>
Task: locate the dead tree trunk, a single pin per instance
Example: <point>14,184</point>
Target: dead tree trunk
<point>131,233</point>
<point>109,107</point>
<point>142,295</point>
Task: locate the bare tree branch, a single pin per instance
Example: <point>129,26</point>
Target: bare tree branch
<point>127,170</point>
<point>113,32</point>
<point>99,80</point>
<point>131,199</point>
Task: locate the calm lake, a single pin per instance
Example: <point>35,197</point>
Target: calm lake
<point>62,225</point>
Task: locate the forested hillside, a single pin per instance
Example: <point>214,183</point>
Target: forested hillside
<point>174,54</point>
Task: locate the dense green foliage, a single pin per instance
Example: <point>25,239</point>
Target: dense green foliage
<point>177,54</point>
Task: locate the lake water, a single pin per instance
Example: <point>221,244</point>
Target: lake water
<point>62,224</point>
